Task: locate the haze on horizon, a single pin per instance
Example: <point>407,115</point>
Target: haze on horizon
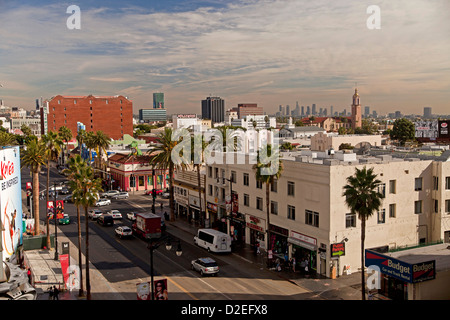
<point>269,52</point>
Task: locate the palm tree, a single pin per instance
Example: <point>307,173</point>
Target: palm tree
<point>90,144</point>
<point>268,172</point>
<point>87,190</point>
<point>363,198</point>
<point>161,158</point>
<point>101,142</point>
<point>81,136</point>
<point>7,139</point>
<point>66,135</point>
<point>33,156</point>
<point>52,143</point>
<point>76,166</point>
<point>197,159</point>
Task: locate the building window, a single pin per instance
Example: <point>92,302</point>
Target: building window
<point>233,176</point>
<point>210,172</point>
<point>447,206</point>
<point>291,188</point>
<point>392,210</point>
<point>106,101</point>
<point>274,207</point>
<point>259,203</point>
<point>245,179</point>
<point>392,186</point>
<point>258,184</point>
<point>435,183</point>
<point>382,216</point>
<point>418,184</point>
<point>418,206</point>
<point>74,101</point>
<point>291,213</point>
<point>90,102</point>
<point>447,183</point>
<point>59,102</point>
<point>216,173</point>
<point>312,218</point>
<point>274,186</point>
<point>246,200</point>
<point>210,189</point>
<point>382,189</point>
<point>436,206</point>
<point>350,220</point>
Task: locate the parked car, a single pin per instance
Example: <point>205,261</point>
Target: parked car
<point>131,216</point>
<point>94,213</point>
<point>109,193</point>
<point>102,202</point>
<point>120,195</point>
<point>123,231</point>
<point>166,195</point>
<point>64,190</point>
<point>105,220</point>
<point>149,192</point>
<point>115,214</point>
<point>205,266</point>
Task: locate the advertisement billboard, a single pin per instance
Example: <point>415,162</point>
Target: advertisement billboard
<point>426,129</point>
<point>11,200</point>
<point>444,129</point>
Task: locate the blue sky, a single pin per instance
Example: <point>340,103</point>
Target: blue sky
<point>270,52</point>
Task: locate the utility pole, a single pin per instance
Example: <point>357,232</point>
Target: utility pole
<point>56,227</point>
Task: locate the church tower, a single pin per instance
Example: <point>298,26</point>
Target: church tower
<point>356,111</point>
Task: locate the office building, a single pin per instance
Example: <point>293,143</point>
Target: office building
<point>247,109</point>
<point>158,100</point>
<point>427,113</point>
<point>213,108</point>
<point>152,115</point>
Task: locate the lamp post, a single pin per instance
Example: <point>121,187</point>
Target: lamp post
<point>153,245</point>
<point>153,191</point>
<point>55,220</point>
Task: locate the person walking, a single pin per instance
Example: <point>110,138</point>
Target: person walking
<point>55,293</point>
<point>293,262</point>
<point>50,293</point>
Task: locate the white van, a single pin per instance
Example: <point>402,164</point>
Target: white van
<point>213,240</point>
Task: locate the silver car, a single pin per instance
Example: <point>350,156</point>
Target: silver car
<point>102,202</point>
<point>205,266</point>
<point>94,213</point>
<point>120,195</point>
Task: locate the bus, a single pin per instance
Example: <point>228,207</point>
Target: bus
<point>213,240</point>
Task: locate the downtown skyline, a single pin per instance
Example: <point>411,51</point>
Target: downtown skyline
<point>266,52</point>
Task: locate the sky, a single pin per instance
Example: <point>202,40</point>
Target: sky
<point>269,52</point>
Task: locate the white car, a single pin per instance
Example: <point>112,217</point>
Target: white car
<point>165,195</point>
<point>94,213</point>
<point>102,202</point>
<point>110,193</point>
<point>115,214</point>
<point>205,266</point>
<point>131,216</point>
<point>120,195</point>
<point>124,231</point>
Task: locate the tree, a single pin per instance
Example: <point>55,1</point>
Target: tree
<point>267,172</point>
<point>81,136</point>
<point>52,143</point>
<point>7,139</point>
<point>197,159</point>
<point>89,141</point>
<point>100,142</point>
<point>403,130</point>
<point>363,199</point>
<point>76,166</point>
<point>65,135</point>
<point>33,157</point>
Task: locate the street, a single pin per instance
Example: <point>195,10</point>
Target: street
<point>126,262</point>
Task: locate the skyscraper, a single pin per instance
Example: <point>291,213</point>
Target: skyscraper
<point>366,111</point>
<point>427,113</point>
<point>213,108</point>
<point>313,109</point>
<point>158,100</point>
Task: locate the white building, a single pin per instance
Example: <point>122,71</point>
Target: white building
<point>255,122</point>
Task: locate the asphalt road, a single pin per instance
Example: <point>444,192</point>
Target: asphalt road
<point>126,262</point>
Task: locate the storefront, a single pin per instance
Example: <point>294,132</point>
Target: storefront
<point>194,208</point>
<point>181,202</point>
<point>278,241</point>
<point>256,227</point>
<point>211,217</point>
<point>237,227</point>
<point>304,249</point>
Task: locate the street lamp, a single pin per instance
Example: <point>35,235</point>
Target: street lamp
<point>153,245</point>
<point>55,220</point>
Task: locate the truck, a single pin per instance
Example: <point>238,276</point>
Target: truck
<point>147,226</point>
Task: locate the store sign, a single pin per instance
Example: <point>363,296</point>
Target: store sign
<point>302,237</point>
<point>401,270</point>
<point>338,249</point>
<point>212,207</point>
<point>254,223</point>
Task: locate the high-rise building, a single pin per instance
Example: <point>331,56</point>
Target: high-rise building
<point>158,100</point>
<point>247,109</point>
<point>427,113</point>
<point>213,108</point>
<point>288,110</point>
<point>308,111</point>
<point>366,111</point>
<point>331,111</point>
<point>152,115</point>
<point>313,109</point>
<point>303,111</point>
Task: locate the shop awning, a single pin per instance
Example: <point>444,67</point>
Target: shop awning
<point>302,244</point>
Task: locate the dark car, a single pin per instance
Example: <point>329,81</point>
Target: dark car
<point>105,220</point>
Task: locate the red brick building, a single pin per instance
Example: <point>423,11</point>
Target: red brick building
<point>249,109</point>
<point>111,114</point>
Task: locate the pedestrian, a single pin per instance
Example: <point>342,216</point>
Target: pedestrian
<point>293,263</point>
<point>29,274</point>
<point>55,293</point>
<point>257,248</point>
<point>302,265</point>
<point>50,293</point>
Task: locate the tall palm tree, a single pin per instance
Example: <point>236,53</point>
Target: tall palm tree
<point>66,135</point>
<point>7,139</point>
<point>52,143</point>
<point>197,159</point>
<point>363,198</point>
<point>267,172</point>
<point>101,142</point>
<point>81,136</point>
<point>90,144</point>
<point>33,156</point>
<point>76,166</point>
<point>161,158</point>
<point>87,192</point>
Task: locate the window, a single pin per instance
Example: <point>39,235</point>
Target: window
<point>435,183</point>
<point>273,207</point>
<point>418,184</point>
<point>291,188</point>
<point>210,189</point>
<point>392,210</point>
<point>210,172</point>
<point>436,206</point>
<point>447,183</point>
<point>106,101</point>
<point>74,101</point>
<point>246,200</point>
<point>259,203</point>
<point>223,193</point>
<point>291,212</point>
<point>312,218</point>
<point>216,173</point>
<point>233,176</point>
<point>274,186</point>
<point>447,206</point>
<point>418,206</point>
<point>258,184</point>
<point>382,216</point>
<point>245,179</point>
<point>392,186</point>
<point>350,220</point>
<point>382,189</point>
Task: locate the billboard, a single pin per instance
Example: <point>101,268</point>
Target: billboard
<point>444,129</point>
<point>10,201</point>
<point>426,129</point>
